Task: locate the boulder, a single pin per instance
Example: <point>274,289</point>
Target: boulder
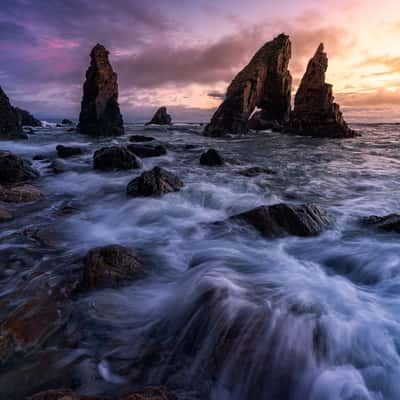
<point>10,127</point>
<point>156,182</point>
<point>150,393</point>
<point>14,169</point>
<point>388,223</point>
<point>100,114</point>
<point>68,151</point>
<point>265,83</point>
<point>110,266</point>
<point>114,158</point>
<point>283,219</point>
<point>315,113</point>
<point>161,117</point>
<point>144,151</point>
<point>141,138</point>
<point>5,215</point>
<point>66,121</point>
<point>211,158</point>
<point>26,118</point>
<point>20,194</point>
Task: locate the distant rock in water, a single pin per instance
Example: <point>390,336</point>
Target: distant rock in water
<point>388,223</point>
<point>141,138</point>
<point>14,169</point>
<point>156,182</point>
<point>211,158</point>
<point>115,158</point>
<point>66,121</point>
<point>26,118</point>
<point>68,151</point>
<point>10,126</point>
<point>100,114</point>
<point>265,83</point>
<point>161,117</point>
<point>315,112</point>
<point>283,219</point>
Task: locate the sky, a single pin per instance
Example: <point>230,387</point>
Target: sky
<point>183,54</point>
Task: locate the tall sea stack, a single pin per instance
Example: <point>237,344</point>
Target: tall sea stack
<point>315,112</point>
<point>265,83</point>
<point>100,114</point>
<point>10,127</point>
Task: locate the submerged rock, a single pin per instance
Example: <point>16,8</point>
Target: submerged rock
<point>315,113</point>
<point>111,158</point>
<point>265,83</point>
<point>14,169</point>
<point>161,117</point>
<point>144,151</point>
<point>141,138</point>
<point>100,114</point>
<point>10,127</point>
<point>110,266</point>
<point>255,171</point>
<point>283,219</point>
<point>68,151</point>
<point>388,223</point>
<point>156,182</point>
<point>150,393</point>
<point>20,194</point>
<point>211,158</point>
<point>26,118</point>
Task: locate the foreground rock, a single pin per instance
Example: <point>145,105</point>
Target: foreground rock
<point>315,112</point>
<point>144,151</point>
<point>26,118</point>
<point>100,114</point>
<point>20,194</point>
<point>150,393</point>
<point>156,182</point>
<point>110,266</point>
<point>265,83</point>
<point>114,158</point>
<point>161,117</point>
<point>283,219</point>
<point>68,151</point>
<point>14,169</point>
<point>211,158</point>
<point>141,138</point>
<point>388,223</point>
<point>10,127</point>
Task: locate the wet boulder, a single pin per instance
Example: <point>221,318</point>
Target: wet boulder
<point>161,117</point>
<point>388,223</point>
<point>156,182</point>
<point>14,169</point>
<point>211,158</point>
<point>141,138</point>
<point>144,151</point>
<point>110,266</point>
<point>280,220</point>
<point>68,151</point>
<point>115,158</point>
<point>149,393</point>
<point>20,194</point>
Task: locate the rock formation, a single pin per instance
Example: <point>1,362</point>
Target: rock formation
<point>315,112</point>
<point>265,83</point>
<point>100,114</point>
<point>161,117</point>
<point>26,118</point>
<point>10,127</point>
<point>115,158</point>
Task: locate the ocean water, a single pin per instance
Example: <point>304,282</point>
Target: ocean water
<point>222,314</point>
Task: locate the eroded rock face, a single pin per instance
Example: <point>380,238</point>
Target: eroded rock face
<point>150,393</point>
<point>14,169</point>
<point>10,127</point>
<point>110,266</point>
<point>283,219</point>
<point>114,158</point>
<point>161,117</point>
<point>100,114</point>
<point>26,118</point>
<point>315,113</point>
<point>156,182</point>
<point>265,83</point>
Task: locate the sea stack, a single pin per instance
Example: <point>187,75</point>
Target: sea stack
<point>161,117</point>
<point>10,127</point>
<point>315,112</point>
<point>265,83</point>
<point>100,114</point>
